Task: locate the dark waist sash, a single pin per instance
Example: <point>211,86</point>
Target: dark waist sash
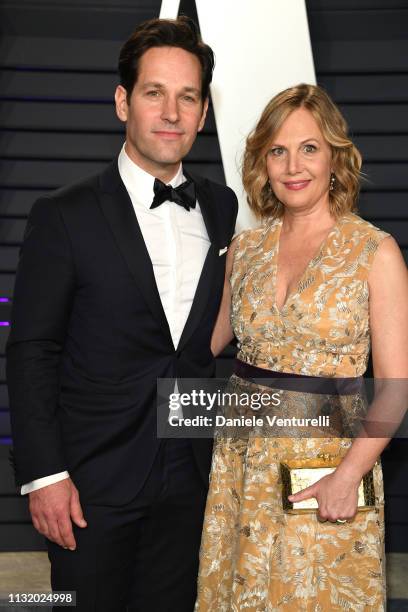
<point>299,382</point>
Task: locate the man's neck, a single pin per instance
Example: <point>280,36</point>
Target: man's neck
<point>164,173</point>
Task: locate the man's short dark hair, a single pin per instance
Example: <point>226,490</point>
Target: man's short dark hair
<point>181,32</point>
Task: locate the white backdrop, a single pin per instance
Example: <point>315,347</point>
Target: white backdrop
<point>261,47</point>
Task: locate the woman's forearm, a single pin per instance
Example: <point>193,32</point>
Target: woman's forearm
<point>361,457</point>
<point>381,421</point>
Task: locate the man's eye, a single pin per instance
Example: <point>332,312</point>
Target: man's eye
<point>153,93</point>
<point>309,148</point>
<point>189,98</point>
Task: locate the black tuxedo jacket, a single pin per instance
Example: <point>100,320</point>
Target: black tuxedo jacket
<point>89,337</point>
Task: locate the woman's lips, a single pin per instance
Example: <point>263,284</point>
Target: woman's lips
<point>296,185</point>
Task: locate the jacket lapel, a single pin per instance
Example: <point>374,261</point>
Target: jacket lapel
<point>207,205</point>
<point>119,212</point>
<point>204,286</point>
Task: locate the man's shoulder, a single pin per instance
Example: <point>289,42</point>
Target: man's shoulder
<point>80,191</point>
<point>218,187</point>
<point>73,192</point>
<point>222,194</point>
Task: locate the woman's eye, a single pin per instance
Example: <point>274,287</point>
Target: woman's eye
<point>309,148</point>
<point>276,151</point>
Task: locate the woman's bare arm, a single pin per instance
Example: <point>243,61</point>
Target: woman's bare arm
<point>388,286</point>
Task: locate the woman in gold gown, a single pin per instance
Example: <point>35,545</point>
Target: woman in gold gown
<point>304,295</point>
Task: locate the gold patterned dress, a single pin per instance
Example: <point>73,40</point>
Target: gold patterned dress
<point>254,556</point>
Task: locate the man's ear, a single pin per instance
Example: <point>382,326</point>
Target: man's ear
<point>121,104</point>
<point>203,116</point>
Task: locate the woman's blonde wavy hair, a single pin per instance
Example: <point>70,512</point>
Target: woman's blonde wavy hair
<point>346,159</point>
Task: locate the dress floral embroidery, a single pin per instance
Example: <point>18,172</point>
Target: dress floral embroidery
<point>254,556</point>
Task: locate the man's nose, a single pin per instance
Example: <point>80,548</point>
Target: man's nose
<point>170,111</point>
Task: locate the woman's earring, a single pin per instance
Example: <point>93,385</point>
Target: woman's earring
<point>332,181</point>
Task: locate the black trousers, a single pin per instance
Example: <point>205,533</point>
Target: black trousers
<point>142,557</point>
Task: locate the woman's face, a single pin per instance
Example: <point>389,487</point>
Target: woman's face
<point>299,163</point>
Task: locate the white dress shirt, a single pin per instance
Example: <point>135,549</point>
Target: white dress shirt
<point>177,243</point>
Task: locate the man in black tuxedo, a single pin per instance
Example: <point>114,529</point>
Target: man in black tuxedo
<point>119,284</point>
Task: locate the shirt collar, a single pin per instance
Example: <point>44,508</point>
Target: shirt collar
<point>138,182</point>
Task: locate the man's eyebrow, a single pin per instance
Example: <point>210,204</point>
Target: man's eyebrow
<point>152,84</point>
<point>192,90</point>
<point>188,89</point>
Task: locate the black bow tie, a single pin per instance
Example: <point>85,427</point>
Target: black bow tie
<point>184,194</point>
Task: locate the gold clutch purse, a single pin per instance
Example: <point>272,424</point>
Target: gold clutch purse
<point>296,475</point>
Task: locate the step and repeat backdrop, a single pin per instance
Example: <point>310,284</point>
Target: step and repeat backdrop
<point>57,125</point>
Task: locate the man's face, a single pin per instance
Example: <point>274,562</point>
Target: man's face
<point>165,111</point>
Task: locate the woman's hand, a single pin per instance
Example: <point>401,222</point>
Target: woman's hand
<point>336,496</point>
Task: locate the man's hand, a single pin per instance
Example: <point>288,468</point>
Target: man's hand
<point>52,510</point>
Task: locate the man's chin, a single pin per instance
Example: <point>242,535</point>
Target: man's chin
<point>169,160</point>
<point>170,155</point>
<point>163,157</point>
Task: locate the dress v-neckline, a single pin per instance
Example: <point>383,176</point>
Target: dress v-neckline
<point>295,291</point>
